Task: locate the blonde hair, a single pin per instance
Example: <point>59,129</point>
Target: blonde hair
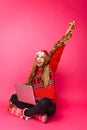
<point>44,76</point>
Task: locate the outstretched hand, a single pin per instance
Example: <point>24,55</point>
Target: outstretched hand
<point>69,30</point>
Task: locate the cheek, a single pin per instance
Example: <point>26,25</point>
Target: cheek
<point>43,61</point>
<point>36,58</point>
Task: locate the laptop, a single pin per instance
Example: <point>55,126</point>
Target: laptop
<point>25,93</point>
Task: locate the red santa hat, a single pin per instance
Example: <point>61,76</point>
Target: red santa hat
<point>42,53</point>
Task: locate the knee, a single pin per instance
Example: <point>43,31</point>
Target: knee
<point>51,110</point>
<point>45,101</point>
<point>13,98</point>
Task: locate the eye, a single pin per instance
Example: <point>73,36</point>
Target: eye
<point>42,57</point>
<point>37,56</point>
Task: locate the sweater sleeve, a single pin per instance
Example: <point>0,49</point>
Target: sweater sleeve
<point>54,60</point>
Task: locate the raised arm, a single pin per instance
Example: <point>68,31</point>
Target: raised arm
<point>61,42</point>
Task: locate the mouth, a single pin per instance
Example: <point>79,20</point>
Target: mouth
<point>39,63</point>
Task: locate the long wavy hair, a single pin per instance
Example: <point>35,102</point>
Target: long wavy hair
<point>44,76</point>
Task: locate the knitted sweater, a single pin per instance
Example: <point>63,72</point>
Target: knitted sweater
<point>49,91</point>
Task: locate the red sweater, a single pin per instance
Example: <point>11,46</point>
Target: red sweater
<point>49,91</point>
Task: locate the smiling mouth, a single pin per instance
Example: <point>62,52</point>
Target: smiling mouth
<point>38,62</point>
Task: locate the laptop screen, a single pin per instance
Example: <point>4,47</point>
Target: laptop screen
<point>25,93</point>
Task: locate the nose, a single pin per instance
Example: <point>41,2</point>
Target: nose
<point>38,58</point>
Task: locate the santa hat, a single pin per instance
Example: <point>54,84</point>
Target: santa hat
<point>42,53</point>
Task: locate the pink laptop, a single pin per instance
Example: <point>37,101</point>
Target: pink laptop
<point>25,93</point>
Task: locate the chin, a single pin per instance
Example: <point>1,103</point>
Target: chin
<point>39,66</point>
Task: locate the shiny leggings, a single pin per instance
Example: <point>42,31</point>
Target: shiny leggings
<point>44,106</point>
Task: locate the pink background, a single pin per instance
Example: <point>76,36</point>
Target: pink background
<point>27,26</point>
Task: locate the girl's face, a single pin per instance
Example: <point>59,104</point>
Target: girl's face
<point>39,60</point>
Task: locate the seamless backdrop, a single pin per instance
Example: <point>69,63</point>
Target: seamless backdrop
<point>27,26</point>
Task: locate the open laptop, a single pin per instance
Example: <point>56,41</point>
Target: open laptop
<point>25,93</point>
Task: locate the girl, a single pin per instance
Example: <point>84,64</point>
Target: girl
<point>42,80</point>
